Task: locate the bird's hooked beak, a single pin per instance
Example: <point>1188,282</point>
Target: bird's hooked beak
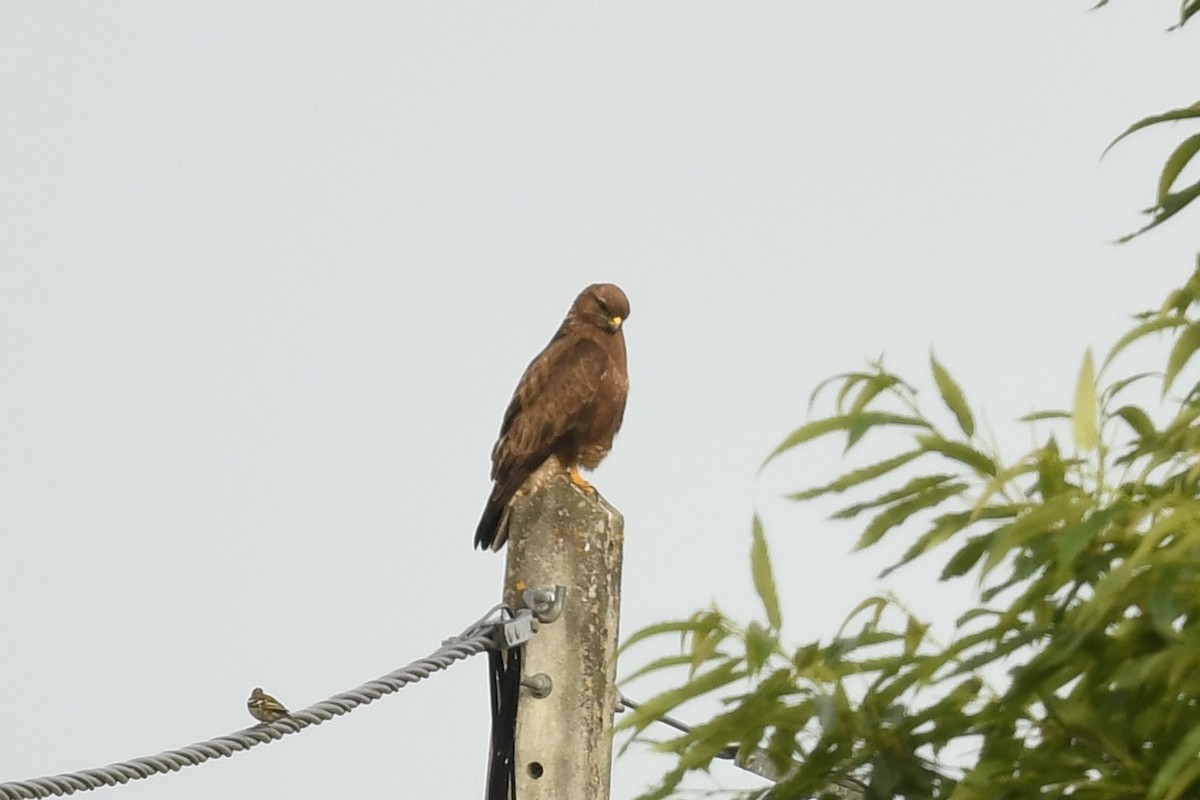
<point>614,324</point>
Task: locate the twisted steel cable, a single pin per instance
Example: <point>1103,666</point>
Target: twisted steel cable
<point>472,641</point>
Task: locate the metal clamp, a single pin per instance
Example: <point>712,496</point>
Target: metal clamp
<point>514,632</point>
<point>546,603</point>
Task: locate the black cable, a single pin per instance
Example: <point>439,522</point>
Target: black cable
<point>504,673</point>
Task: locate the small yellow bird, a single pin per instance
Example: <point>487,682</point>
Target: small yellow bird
<point>265,708</point>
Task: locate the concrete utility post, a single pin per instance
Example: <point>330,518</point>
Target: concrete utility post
<point>561,536</point>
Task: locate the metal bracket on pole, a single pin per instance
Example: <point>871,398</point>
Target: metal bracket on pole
<point>546,603</point>
<point>514,632</point>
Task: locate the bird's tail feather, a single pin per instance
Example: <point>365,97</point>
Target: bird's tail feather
<point>492,531</point>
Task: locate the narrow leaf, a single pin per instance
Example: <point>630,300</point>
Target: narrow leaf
<point>1167,782</point>
<point>760,644</point>
<point>917,485</point>
<point>1187,10</point>
<point>1117,387</point>
<point>764,580</point>
<point>943,528</point>
<point>914,633</point>
<point>1084,422</point>
<point>704,646</point>
<point>876,604</point>
<point>844,422</point>
<point>662,628</point>
<point>656,707</point>
<point>902,511</point>
<point>1071,540</point>
<point>874,385</point>
<point>1051,471</point>
<point>1175,164</point>
<point>1038,416</point>
<point>1185,347</point>
<point>823,385</point>
<point>1137,419</point>
<point>1049,517</point>
<point>1142,330</point>
<point>848,385</point>
<point>666,662</point>
<point>960,452</point>
<point>966,557</point>
<point>855,477</point>
<point>1171,205</point>
<point>1187,112</point>
<point>952,396</point>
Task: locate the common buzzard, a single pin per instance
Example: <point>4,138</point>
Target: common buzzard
<point>566,409</point>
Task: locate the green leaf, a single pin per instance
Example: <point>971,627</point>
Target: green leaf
<point>845,422</point>
<point>848,379</point>
<point>1185,347</point>
<point>1051,470</point>
<point>1072,539</point>
<point>851,380</point>
<point>1143,330</point>
<point>1084,422</point>
<point>872,387</point>
<point>806,656</point>
<point>966,557</point>
<point>1164,610</point>
<point>914,634</point>
<point>952,396</point>
<point>1107,592</point>
<point>958,451</point>
<point>898,513</point>
<point>1189,8</point>
<point>1171,205</point>
<point>764,580</point>
<point>705,642</point>
<point>1038,416</point>
<point>916,485</point>
<point>876,604</point>
<point>760,645</point>
<point>657,665</point>
<point>1137,419</point>
<point>858,476</point>
<point>655,708</point>
<point>1043,519</point>
<point>658,629</point>
<point>943,528</point>
<point>1116,387</point>
<point>1179,771</point>
<point>1187,112</point>
<point>1176,163</point>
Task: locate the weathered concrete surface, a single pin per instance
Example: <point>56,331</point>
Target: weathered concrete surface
<point>561,535</point>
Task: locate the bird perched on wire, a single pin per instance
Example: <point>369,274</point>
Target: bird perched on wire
<point>265,708</point>
<point>566,410</point>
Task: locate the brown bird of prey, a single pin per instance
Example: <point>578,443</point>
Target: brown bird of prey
<point>265,708</point>
<point>566,409</point>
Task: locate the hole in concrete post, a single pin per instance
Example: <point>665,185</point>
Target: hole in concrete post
<point>535,770</point>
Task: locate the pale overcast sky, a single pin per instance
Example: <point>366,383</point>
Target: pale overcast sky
<point>270,271</point>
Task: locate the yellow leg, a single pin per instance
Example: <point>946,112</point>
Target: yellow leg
<point>579,480</point>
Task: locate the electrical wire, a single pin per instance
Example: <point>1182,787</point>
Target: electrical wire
<point>476,638</point>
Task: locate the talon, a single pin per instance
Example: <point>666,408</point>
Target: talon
<point>579,480</point>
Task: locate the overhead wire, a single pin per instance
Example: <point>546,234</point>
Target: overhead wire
<point>476,638</point>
